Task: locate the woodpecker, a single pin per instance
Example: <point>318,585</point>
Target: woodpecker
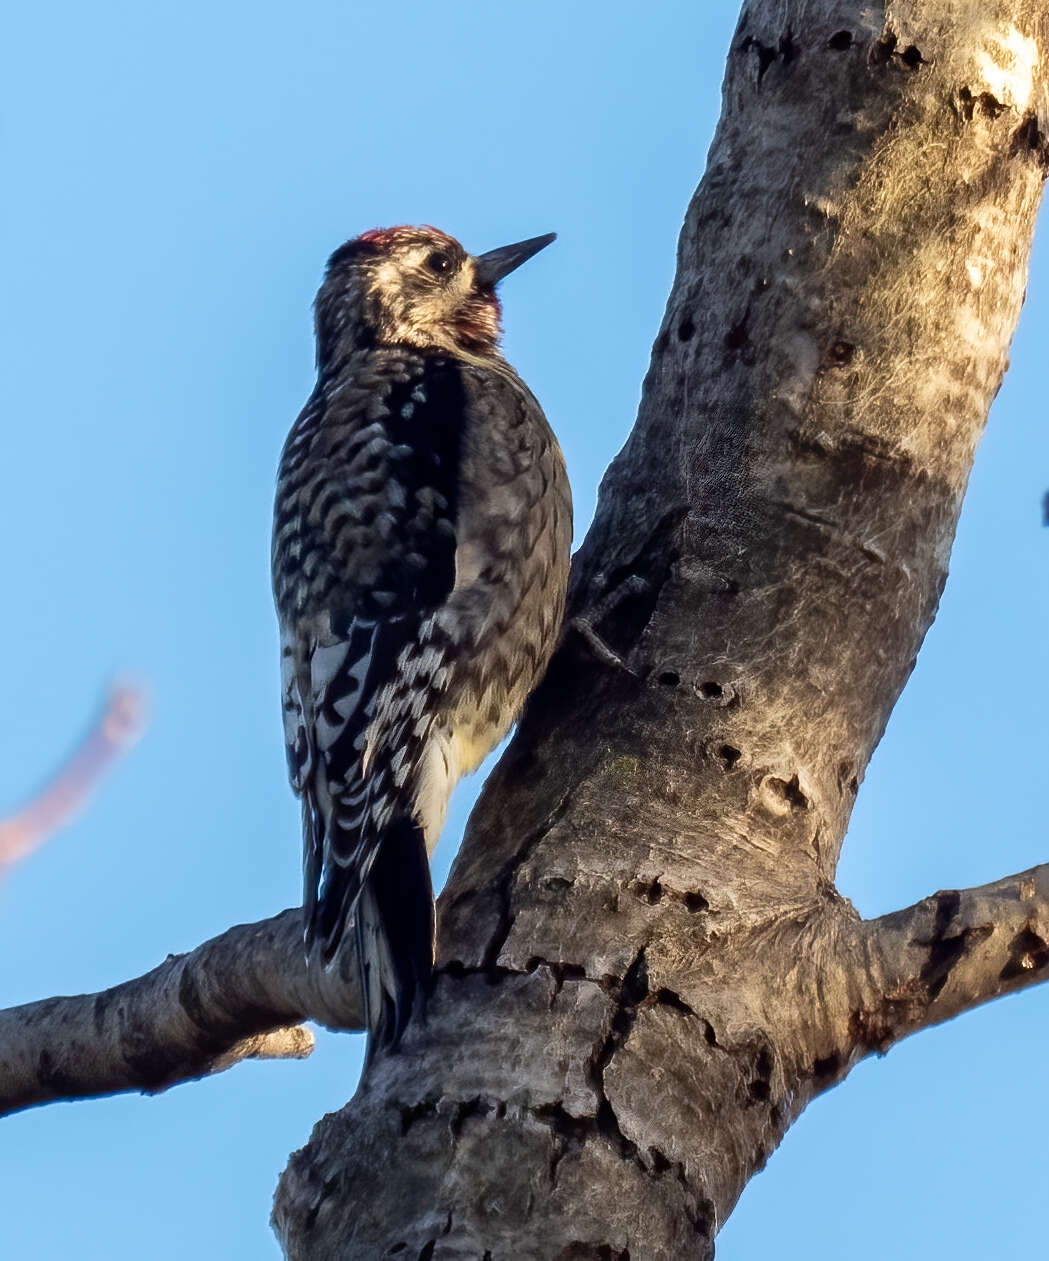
<point>421,541</point>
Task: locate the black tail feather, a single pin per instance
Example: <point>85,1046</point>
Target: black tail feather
<point>395,935</point>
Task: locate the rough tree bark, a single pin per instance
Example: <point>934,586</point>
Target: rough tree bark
<point>236,997</point>
<point>645,970</point>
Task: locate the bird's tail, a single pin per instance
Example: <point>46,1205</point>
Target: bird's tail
<point>395,935</point>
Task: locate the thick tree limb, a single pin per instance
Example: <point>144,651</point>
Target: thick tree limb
<point>232,998</point>
<point>954,951</point>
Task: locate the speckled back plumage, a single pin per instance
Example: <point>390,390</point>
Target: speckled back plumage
<point>420,558</point>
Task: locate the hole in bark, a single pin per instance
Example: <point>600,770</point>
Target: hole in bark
<point>912,58</point>
<point>410,1115</point>
<point>854,785</point>
<point>397,1247</point>
<point>883,49</point>
<point>695,902</point>
<point>989,105</point>
<point>652,893</point>
<point>841,353</point>
<point>710,691</point>
<point>766,55</point>
<point>1028,138</point>
<point>788,50</point>
<point>426,1251</point>
<point>660,1164</point>
<point>840,41</point>
<point>686,329</point>
<point>557,884</point>
<point>670,678</point>
<point>736,337</point>
<point>759,1088</point>
<point>728,756</point>
<point>1028,953</point>
<point>709,1034</point>
<point>566,972</point>
<point>944,951</point>
<point>572,1131</point>
<point>828,1066</point>
<point>790,791</point>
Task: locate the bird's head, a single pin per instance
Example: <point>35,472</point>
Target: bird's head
<point>416,287</point>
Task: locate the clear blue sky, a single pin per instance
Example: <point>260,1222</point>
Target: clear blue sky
<point>175,176</point>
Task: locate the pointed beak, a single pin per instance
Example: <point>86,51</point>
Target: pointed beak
<point>493,266</point>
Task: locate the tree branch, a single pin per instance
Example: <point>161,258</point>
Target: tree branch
<point>951,952</point>
<point>232,998</point>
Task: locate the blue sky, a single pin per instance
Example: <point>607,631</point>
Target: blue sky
<point>176,176</point>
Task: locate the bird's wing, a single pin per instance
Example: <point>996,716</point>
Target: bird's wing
<point>371,532</point>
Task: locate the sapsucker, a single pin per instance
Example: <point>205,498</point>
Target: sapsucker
<point>421,545</point>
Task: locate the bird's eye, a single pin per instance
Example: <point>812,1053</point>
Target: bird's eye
<point>439,263</point>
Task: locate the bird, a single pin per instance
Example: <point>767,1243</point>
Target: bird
<point>421,546</point>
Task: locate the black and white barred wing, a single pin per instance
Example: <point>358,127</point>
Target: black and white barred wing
<point>364,552</point>
<point>330,692</point>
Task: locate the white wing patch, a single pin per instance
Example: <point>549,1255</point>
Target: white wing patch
<point>337,685</point>
<point>297,742</point>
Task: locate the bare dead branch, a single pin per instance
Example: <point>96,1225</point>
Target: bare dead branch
<point>232,998</point>
<point>951,952</point>
<point>116,729</point>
